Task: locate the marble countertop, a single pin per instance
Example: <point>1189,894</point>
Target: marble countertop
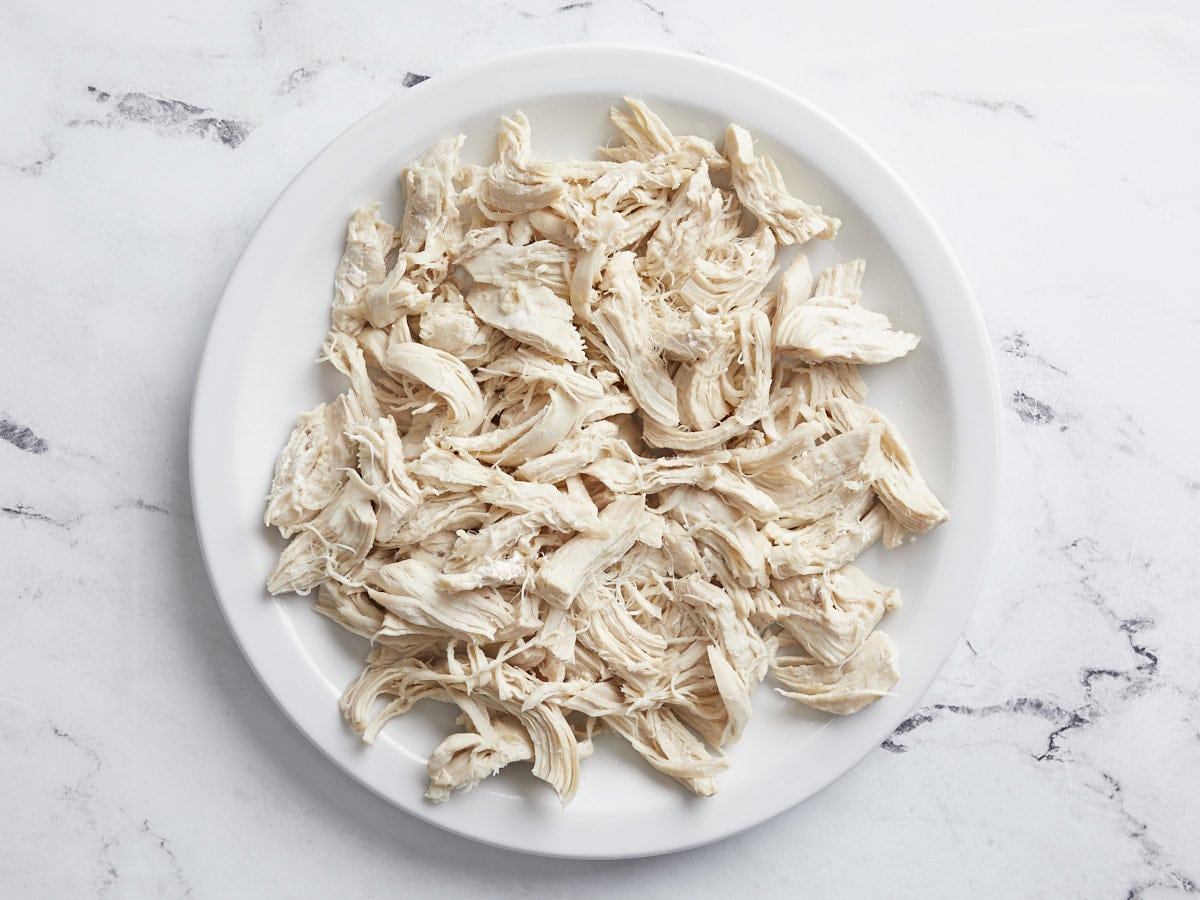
<point>1054,143</point>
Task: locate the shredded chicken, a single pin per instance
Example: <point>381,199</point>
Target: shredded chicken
<point>590,471</point>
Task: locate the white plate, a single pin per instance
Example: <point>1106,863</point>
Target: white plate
<point>257,375</point>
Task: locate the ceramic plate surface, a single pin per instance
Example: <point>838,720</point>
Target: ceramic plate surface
<point>257,375</point>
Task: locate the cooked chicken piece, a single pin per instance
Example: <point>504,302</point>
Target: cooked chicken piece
<point>430,229</point>
<point>822,384</point>
<point>828,543</point>
<point>760,188</point>
<point>343,353</point>
<point>531,313</point>
<point>507,266</point>
<point>754,336</point>
<point>558,634</point>
<point>349,607</point>
<point>647,136</point>
<point>634,653</point>
<point>464,759</point>
<point>626,186</point>
<point>364,288</point>
<point>691,335</point>
<point>589,263</point>
<point>554,227</point>
<point>617,204</point>
<point>575,172</point>
<point>733,275</point>
<point>381,466</point>
<point>589,471</point>
<point>832,327</point>
<point>388,672</point>
<point>310,471</point>
<point>492,573</point>
<point>498,685</point>
<point>583,557</point>
<point>664,742</point>
<point>802,393</point>
<point>479,239</point>
<point>449,512</point>
<point>826,479</point>
<point>363,266</point>
<point>337,538</point>
<point>795,288</point>
<point>409,591</point>
<point>441,471</point>
<point>510,534</point>
<point>731,536</point>
<point>894,534</point>
<point>520,230</point>
<point>899,484</point>
<point>700,386</point>
<point>576,453</point>
<point>830,615</point>
<point>737,654</point>
<point>555,750</point>
<point>510,189</point>
<point>620,316</point>
<point>650,476</point>
<point>842,689</point>
<point>544,423</point>
<point>685,233</point>
<point>431,225</point>
<point>450,325</point>
<point>397,296</point>
<point>831,334</point>
<point>448,378</point>
<point>776,453</point>
<point>592,222</point>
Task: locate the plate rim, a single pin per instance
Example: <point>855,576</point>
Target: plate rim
<point>198,470</point>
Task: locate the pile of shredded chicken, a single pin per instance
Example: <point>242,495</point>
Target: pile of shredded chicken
<point>590,473</point>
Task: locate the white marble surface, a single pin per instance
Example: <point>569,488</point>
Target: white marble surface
<point>1059,755</point>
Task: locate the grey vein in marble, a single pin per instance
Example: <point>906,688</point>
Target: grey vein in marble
<point>84,797</point>
<point>80,792</point>
<point>1016,344</point>
<point>645,4</point>
<point>578,6</point>
<point>139,503</point>
<point>80,795</point>
<point>166,116</point>
<point>1168,875</point>
<point>21,436</point>
<point>1031,410</point>
<point>662,16</point>
<point>165,846</point>
<point>1083,554</point>
<point>23,512</point>
<point>309,72</point>
<point>984,103</point>
<point>1031,706</point>
<point>26,513</point>
<point>301,76</point>
<point>35,166</point>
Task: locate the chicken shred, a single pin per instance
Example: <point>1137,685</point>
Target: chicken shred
<point>591,473</point>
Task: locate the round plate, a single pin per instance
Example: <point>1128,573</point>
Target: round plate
<point>257,375</point>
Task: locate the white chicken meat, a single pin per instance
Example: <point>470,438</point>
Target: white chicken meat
<point>591,472</point>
